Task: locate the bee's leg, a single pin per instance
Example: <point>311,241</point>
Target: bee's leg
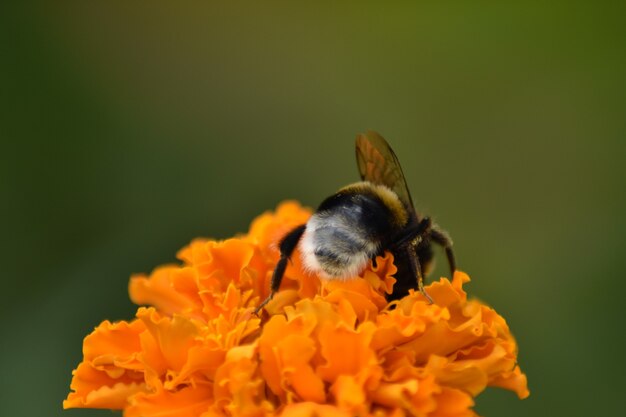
<point>416,269</point>
<point>440,237</point>
<point>287,246</point>
<point>411,233</point>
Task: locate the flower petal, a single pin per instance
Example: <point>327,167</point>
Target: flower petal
<point>332,348</point>
<point>186,402</point>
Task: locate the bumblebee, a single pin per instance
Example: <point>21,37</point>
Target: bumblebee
<point>362,221</point>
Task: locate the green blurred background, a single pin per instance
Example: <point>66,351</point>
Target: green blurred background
<point>128,130</point>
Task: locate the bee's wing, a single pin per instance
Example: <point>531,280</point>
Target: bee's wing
<point>378,164</point>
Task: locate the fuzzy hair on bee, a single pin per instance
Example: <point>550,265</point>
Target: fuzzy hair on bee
<point>349,228</point>
<point>363,220</point>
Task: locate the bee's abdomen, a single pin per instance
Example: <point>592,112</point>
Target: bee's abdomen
<point>360,208</point>
<point>346,231</point>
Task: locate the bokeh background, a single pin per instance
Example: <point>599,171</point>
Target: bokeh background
<point>129,129</point>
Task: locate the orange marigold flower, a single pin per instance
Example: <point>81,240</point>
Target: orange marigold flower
<point>332,348</point>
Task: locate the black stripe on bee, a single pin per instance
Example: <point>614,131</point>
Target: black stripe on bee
<point>365,211</point>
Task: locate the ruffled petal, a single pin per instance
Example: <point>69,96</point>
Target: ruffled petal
<point>321,347</point>
<point>187,402</point>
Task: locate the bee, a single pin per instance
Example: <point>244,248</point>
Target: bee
<point>363,220</point>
